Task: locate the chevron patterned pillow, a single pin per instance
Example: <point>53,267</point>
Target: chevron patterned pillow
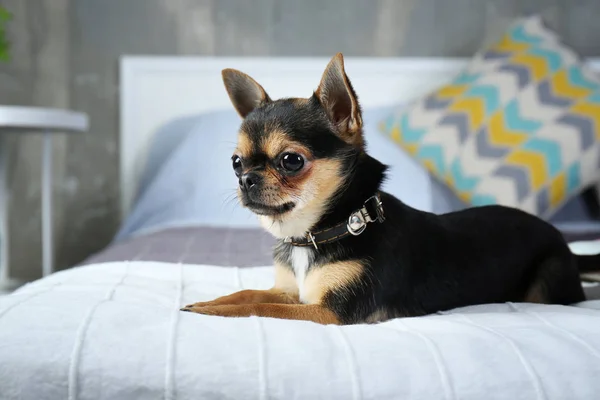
<point>520,126</point>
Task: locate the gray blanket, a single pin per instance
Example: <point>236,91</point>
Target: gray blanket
<point>212,246</point>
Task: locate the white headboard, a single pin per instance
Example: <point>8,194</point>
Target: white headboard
<point>155,90</point>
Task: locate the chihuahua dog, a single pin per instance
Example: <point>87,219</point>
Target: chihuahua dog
<point>350,253</point>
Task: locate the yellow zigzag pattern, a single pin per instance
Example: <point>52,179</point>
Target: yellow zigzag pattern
<point>534,162</point>
<point>591,111</point>
<point>500,135</point>
<point>466,197</point>
<point>507,45</point>
<point>412,149</point>
<point>474,108</point>
<point>396,136</point>
<point>558,189</point>
<point>538,66</point>
<point>450,91</point>
<point>448,179</point>
<point>430,166</point>
<point>562,87</point>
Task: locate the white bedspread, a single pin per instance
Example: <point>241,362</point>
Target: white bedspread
<point>113,331</point>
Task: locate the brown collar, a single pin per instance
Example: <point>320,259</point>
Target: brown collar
<point>371,211</point>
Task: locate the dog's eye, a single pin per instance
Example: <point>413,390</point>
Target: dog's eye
<point>292,162</point>
<point>237,164</point>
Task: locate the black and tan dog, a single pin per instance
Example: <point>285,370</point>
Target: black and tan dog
<point>349,253</point>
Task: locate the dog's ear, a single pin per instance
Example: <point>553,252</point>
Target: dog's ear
<point>336,95</point>
<point>244,92</point>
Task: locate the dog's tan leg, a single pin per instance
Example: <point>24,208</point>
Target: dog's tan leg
<point>250,297</point>
<point>305,312</point>
<point>285,291</point>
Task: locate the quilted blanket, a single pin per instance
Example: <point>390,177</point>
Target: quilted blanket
<point>113,331</point>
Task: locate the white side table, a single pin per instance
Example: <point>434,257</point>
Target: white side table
<point>47,122</point>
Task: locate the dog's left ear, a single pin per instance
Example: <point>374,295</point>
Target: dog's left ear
<point>336,94</point>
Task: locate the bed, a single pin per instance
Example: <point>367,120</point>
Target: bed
<point>110,328</point>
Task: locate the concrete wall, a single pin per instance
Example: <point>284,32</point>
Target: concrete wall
<point>65,54</point>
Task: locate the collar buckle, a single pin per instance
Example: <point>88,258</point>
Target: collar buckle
<point>357,223</point>
<point>378,208</point>
<point>358,220</point>
<point>311,238</point>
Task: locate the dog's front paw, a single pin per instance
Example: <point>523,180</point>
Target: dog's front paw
<point>197,305</point>
<point>223,310</point>
<point>206,310</point>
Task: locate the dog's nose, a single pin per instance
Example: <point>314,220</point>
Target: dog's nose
<point>247,181</point>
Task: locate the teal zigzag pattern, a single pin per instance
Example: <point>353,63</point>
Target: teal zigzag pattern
<point>488,94</point>
<point>551,151</point>
<point>461,181</point>
<point>519,34</point>
<point>434,154</point>
<point>515,122</point>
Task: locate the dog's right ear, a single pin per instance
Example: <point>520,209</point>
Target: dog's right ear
<point>245,93</point>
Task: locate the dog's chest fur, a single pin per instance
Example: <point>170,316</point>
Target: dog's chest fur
<point>300,260</point>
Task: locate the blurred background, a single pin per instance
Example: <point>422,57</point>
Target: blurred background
<point>64,54</point>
